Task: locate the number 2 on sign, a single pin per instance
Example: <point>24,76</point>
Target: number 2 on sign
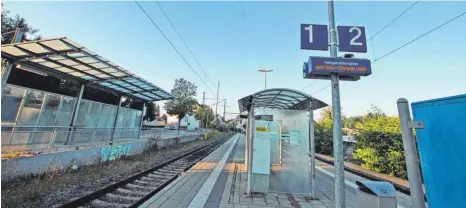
<point>353,40</point>
<point>309,28</point>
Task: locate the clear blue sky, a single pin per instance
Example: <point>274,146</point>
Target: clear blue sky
<point>232,40</point>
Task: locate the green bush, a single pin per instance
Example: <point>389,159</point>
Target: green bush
<point>323,139</point>
<point>379,145</point>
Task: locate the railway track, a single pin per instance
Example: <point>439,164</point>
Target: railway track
<point>136,189</point>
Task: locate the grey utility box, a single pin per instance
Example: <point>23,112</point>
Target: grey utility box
<point>373,194</point>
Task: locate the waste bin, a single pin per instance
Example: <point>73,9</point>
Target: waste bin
<point>376,194</point>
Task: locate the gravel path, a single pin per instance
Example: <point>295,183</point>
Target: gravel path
<point>50,190</point>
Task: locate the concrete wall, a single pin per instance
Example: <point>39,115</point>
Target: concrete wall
<point>43,163</point>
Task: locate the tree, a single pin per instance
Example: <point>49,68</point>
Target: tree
<point>164,117</point>
<point>184,101</point>
<point>379,145</point>
<point>204,114</point>
<point>326,119</point>
<point>9,25</point>
<point>157,111</point>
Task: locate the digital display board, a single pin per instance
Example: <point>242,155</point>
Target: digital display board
<point>342,66</point>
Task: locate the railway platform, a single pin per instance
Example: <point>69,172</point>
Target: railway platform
<point>219,180</point>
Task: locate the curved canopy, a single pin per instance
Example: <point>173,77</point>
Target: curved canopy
<point>65,58</point>
<point>280,98</point>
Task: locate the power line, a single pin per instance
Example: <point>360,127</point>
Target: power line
<point>168,40</point>
<point>415,39</point>
<point>186,45</point>
<point>396,18</point>
<point>323,88</point>
<point>308,85</point>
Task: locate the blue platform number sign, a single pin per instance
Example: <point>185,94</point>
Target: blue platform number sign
<point>314,37</point>
<point>352,39</point>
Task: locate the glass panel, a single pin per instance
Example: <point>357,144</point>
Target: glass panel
<point>11,100</point>
<point>103,115</point>
<point>82,113</point>
<point>93,115</point>
<point>50,110</point>
<point>65,111</point>
<point>31,109</point>
<point>137,124</point>
<point>111,117</point>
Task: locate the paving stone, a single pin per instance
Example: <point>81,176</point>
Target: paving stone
<point>240,206</point>
<point>222,205</point>
<point>259,203</point>
<point>313,202</point>
<point>318,206</point>
<point>329,205</point>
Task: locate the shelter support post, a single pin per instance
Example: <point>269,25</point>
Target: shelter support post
<point>412,164</point>
<point>313,152</point>
<point>246,152</point>
<point>116,119</point>
<point>250,149</point>
<point>142,119</point>
<point>74,117</point>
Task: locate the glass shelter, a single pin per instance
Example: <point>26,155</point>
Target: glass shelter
<point>35,115</point>
<point>279,140</point>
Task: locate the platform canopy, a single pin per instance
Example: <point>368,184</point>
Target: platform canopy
<point>66,59</point>
<point>280,98</point>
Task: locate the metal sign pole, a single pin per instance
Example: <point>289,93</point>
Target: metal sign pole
<point>409,145</point>
<point>336,110</point>
<point>313,152</point>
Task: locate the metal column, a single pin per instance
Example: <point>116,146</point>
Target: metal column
<point>336,112</point>
<point>74,117</point>
<point>250,150</point>
<point>142,119</point>
<point>116,119</point>
<point>313,152</point>
<point>246,152</point>
<point>5,74</point>
<point>412,164</point>
<point>216,104</point>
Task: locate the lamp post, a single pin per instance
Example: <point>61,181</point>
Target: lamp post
<point>265,76</point>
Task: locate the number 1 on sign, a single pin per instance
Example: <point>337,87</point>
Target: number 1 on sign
<point>309,28</point>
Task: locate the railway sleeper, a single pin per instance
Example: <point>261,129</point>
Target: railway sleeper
<point>103,204</point>
<point>148,179</point>
<point>131,186</point>
<point>115,198</point>
<point>144,183</point>
<point>127,192</point>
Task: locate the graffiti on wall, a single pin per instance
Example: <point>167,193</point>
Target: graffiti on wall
<point>110,153</point>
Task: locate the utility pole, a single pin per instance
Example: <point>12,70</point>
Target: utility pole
<point>6,73</point>
<point>224,109</point>
<point>204,109</point>
<point>216,105</point>
<point>336,110</point>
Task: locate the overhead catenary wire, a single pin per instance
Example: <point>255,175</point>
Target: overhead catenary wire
<point>419,37</point>
<point>173,46</point>
<point>186,45</point>
<point>391,22</point>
